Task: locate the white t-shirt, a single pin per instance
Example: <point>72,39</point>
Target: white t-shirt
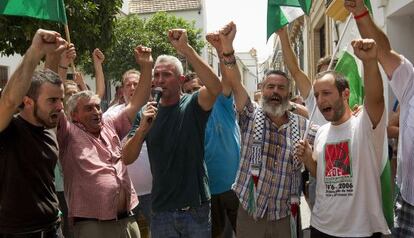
<point>310,102</point>
<point>114,110</point>
<point>348,190</point>
<point>140,170</point>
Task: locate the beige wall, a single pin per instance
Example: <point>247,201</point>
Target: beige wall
<point>313,24</point>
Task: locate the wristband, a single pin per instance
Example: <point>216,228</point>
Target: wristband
<point>228,54</point>
<point>63,67</point>
<point>361,15</point>
<point>229,61</point>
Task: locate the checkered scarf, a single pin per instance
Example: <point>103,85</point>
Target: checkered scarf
<point>255,156</point>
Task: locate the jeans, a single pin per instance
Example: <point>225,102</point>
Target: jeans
<point>144,208</point>
<point>193,222</point>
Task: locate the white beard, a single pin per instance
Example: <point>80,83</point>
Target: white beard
<point>275,111</point>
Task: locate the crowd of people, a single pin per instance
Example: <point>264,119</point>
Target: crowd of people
<point>199,157</point>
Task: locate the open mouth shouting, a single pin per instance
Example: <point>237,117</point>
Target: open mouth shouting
<point>327,109</point>
<point>54,116</point>
<point>274,99</point>
<point>97,120</point>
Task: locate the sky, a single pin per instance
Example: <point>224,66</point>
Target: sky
<point>250,19</point>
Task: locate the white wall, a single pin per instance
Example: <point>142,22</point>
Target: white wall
<point>11,62</point>
<point>188,15</point>
<point>400,31</point>
<point>198,16</point>
<point>398,22</point>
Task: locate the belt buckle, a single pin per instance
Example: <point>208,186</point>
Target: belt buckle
<point>124,215</point>
<point>184,209</point>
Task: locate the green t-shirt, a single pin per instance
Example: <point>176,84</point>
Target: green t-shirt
<point>176,152</point>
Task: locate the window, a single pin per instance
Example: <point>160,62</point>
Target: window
<point>322,41</point>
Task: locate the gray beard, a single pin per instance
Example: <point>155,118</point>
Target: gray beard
<point>275,111</point>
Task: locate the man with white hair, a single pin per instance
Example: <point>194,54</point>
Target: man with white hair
<point>98,189</point>
<point>180,193</point>
<point>268,179</point>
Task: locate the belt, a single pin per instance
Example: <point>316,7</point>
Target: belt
<point>183,209</point>
<point>187,208</point>
<point>46,233</point>
<point>119,216</point>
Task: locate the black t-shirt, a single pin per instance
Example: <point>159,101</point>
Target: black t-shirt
<point>176,152</point>
<point>28,155</point>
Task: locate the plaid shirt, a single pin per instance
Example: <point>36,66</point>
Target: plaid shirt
<point>279,177</point>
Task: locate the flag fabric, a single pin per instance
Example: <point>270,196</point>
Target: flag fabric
<point>282,12</point>
<point>252,201</point>
<point>52,10</point>
<point>386,189</point>
<point>294,211</point>
<point>348,67</point>
<point>368,5</point>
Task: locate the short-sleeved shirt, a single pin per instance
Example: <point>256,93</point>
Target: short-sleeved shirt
<point>349,166</point>
<point>176,151</point>
<point>222,145</point>
<point>28,155</point>
<point>93,169</point>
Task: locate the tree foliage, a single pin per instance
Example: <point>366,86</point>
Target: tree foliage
<point>132,30</point>
<point>91,24</point>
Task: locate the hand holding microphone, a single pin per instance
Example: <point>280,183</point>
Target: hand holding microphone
<point>151,110</point>
<point>148,116</point>
<point>157,95</point>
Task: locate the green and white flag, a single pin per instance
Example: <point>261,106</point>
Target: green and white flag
<point>348,67</point>
<point>386,188</point>
<point>283,12</point>
<point>51,10</point>
<point>368,5</point>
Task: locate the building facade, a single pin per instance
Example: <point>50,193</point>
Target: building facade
<point>317,35</point>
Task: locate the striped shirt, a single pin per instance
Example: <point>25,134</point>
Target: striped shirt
<point>279,176</point>
<point>93,172</point>
<point>402,84</point>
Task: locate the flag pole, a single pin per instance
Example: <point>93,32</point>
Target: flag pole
<point>68,40</point>
<point>329,68</point>
<point>339,42</point>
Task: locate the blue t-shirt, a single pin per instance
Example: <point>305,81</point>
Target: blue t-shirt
<point>222,145</point>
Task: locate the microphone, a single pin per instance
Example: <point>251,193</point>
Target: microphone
<point>157,95</point>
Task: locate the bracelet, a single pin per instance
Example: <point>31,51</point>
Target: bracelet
<point>361,15</point>
<point>229,61</point>
<point>63,67</point>
<point>228,54</point>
